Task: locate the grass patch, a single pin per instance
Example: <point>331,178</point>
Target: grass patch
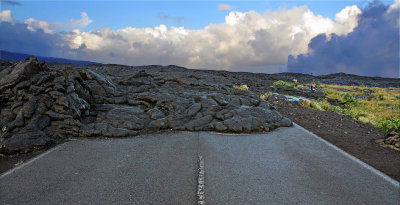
<point>281,83</point>
<point>380,106</point>
<point>241,87</point>
<point>321,105</point>
<point>324,105</point>
<point>316,105</point>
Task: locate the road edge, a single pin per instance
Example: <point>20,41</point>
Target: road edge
<point>361,163</point>
<point>30,161</point>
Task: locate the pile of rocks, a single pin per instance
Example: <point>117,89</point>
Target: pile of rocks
<point>42,104</point>
<point>392,140</point>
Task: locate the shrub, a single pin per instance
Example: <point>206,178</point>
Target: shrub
<point>241,87</point>
<point>335,109</point>
<point>281,83</point>
<point>265,96</point>
<point>349,100</point>
<point>390,124</point>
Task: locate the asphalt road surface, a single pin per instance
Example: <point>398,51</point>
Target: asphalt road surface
<point>287,166</point>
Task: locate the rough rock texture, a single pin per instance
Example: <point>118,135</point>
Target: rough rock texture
<point>42,104</point>
<point>391,140</point>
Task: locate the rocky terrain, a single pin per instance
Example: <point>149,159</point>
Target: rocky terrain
<point>43,104</point>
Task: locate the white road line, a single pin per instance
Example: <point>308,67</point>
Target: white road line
<point>363,164</point>
<point>201,182</point>
<point>31,160</point>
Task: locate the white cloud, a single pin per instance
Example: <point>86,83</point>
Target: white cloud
<point>372,48</point>
<point>234,17</point>
<point>224,7</point>
<point>50,28</point>
<point>33,25</point>
<point>347,17</point>
<point>394,6</point>
<point>394,10</point>
<point>6,16</point>
<point>83,22</point>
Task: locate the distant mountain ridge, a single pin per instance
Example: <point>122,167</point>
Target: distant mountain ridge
<point>5,55</point>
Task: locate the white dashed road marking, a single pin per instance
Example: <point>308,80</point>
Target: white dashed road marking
<point>200,182</point>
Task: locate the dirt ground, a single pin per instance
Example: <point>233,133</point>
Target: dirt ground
<point>346,133</point>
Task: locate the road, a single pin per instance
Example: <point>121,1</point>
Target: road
<point>287,166</point>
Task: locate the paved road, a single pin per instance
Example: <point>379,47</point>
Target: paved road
<point>287,166</point>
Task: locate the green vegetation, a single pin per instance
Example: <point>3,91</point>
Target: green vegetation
<point>389,124</point>
<point>281,83</point>
<point>335,109</point>
<point>265,96</point>
<point>349,100</point>
<point>321,105</point>
<point>378,106</point>
<point>241,87</point>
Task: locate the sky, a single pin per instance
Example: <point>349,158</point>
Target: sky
<point>252,36</point>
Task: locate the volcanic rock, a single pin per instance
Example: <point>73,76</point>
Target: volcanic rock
<point>42,104</point>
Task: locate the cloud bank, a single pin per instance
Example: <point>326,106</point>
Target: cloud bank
<point>246,41</point>
<point>371,49</point>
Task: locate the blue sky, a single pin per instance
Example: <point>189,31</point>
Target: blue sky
<point>141,14</point>
<point>252,36</point>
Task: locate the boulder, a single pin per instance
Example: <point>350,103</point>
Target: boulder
<point>155,114</point>
<point>128,117</point>
<point>22,70</point>
<point>193,109</point>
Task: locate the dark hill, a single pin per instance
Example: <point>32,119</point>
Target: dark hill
<point>5,55</point>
